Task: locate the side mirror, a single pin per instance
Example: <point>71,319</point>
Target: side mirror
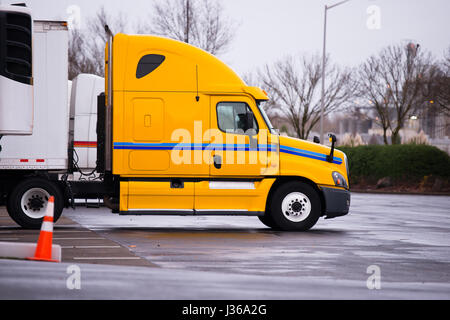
<point>333,140</point>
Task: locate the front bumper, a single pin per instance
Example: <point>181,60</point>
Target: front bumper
<point>337,202</point>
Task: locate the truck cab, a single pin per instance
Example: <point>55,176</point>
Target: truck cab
<point>190,137</point>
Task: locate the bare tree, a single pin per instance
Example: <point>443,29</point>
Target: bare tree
<point>199,22</point>
<point>376,97</point>
<point>393,83</point>
<point>294,88</point>
<point>78,62</point>
<point>435,111</point>
<point>87,46</point>
<point>441,85</point>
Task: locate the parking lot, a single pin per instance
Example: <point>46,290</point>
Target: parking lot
<point>404,236</point>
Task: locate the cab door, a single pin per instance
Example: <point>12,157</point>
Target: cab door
<point>234,147</point>
<point>238,160</point>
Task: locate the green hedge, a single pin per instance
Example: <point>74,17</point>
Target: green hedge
<point>407,162</point>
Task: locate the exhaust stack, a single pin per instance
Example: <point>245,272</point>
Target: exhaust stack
<point>109,106</point>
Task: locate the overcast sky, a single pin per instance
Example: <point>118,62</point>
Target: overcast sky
<point>270,29</point>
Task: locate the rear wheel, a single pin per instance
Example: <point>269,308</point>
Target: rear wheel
<point>295,206</point>
<point>28,200</point>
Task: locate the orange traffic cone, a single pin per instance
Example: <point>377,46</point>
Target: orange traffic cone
<point>44,245</point>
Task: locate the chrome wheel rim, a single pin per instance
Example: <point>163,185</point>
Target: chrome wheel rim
<point>34,202</point>
<point>296,206</point>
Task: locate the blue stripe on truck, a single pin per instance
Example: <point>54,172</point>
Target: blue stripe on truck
<point>191,146</point>
<point>213,146</point>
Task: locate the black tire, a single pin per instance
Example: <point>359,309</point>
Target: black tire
<point>267,221</point>
<point>305,207</point>
<point>19,215</point>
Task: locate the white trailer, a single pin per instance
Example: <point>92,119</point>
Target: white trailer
<point>58,155</point>
<point>58,105</point>
<point>46,147</point>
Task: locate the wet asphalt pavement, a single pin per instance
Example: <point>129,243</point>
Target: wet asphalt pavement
<point>405,236</point>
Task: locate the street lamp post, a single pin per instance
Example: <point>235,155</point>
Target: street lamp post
<point>324,62</point>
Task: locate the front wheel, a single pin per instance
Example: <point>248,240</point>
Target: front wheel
<point>28,200</point>
<point>295,207</point>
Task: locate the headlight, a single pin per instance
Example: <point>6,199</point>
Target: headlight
<point>339,180</point>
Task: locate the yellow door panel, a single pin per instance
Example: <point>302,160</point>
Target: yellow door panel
<point>155,196</point>
<point>229,196</point>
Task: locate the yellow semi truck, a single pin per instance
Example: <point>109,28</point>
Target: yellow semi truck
<point>188,136</point>
<point>180,133</point>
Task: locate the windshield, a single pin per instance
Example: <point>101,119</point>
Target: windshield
<point>260,105</point>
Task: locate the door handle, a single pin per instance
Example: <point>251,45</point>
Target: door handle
<point>217,161</point>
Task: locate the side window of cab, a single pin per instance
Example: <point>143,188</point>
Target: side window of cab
<point>236,117</point>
